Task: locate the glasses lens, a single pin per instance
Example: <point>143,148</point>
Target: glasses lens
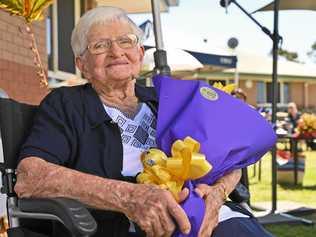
<point>127,41</point>
<point>100,46</point>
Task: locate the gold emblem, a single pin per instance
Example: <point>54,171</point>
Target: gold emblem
<point>208,93</point>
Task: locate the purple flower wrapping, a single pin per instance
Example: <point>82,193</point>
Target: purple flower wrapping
<point>231,133</point>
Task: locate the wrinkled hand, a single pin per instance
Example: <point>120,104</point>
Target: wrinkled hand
<point>214,199</point>
<point>155,210</point>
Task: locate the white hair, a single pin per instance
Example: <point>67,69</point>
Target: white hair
<point>99,15</point>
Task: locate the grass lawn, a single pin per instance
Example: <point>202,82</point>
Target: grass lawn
<point>297,230</point>
<point>304,194</point>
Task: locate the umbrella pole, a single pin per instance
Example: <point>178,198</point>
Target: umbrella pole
<point>276,38</point>
<point>272,217</point>
<point>275,96</point>
<point>160,56</point>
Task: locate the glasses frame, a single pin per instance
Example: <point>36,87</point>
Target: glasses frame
<point>91,44</point>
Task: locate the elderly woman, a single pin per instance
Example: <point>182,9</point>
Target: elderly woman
<point>86,140</point>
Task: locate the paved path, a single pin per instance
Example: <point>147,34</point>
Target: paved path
<point>282,206</point>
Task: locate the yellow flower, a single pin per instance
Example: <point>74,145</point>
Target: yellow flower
<point>228,88</point>
<point>307,123</point>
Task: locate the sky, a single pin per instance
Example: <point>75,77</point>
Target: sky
<point>187,25</point>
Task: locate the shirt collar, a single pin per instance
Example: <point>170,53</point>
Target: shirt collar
<point>94,108</point>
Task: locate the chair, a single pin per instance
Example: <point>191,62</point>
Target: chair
<point>15,120</point>
<point>241,194</point>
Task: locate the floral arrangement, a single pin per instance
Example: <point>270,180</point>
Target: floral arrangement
<point>185,163</point>
<point>306,126</point>
<point>198,140</point>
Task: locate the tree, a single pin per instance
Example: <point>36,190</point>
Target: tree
<point>290,56</point>
<point>312,53</point>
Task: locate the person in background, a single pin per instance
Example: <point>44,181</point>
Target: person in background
<point>240,94</point>
<point>293,116</point>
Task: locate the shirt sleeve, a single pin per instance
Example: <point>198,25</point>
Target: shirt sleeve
<point>53,135</point>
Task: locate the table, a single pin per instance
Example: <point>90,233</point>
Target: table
<point>294,150</point>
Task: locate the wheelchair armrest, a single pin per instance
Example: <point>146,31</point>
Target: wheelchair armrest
<point>75,217</point>
<point>240,194</point>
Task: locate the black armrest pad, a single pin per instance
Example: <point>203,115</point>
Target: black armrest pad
<point>74,215</point>
<point>21,232</point>
<point>240,194</point>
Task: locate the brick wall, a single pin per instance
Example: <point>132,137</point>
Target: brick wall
<point>250,92</point>
<point>17,72</point>
<point>312,96</point>
<point>297,93</point>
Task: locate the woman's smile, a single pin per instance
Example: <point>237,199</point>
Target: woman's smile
<point>118,62</point>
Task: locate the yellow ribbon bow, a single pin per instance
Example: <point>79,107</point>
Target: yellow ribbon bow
<point>185,163</point>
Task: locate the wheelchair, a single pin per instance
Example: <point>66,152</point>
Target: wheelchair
<point>29,216</point>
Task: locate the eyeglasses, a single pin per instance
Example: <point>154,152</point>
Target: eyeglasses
<point>125,42</point>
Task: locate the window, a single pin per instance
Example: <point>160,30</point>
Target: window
<point>269,92</point>
<point>60,21</point>
<point>264,92</point>
<point>261,92</point>
<point>286,93</point>
<point>49,39</point>
<point>65,24</point>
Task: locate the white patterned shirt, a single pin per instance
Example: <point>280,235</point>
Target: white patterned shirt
<point>137,133</point>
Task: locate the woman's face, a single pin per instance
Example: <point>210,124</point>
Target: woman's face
<point>116,64</point>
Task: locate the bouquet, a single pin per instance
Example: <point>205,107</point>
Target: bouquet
<point>230,135</point>
<point>306,126</point>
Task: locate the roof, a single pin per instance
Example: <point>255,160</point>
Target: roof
<point>249,63</point>
<point>188,60</point>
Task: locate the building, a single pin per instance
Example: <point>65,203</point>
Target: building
<point>296,81</point>
<point>18,74</point>
<point>17,71</point>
